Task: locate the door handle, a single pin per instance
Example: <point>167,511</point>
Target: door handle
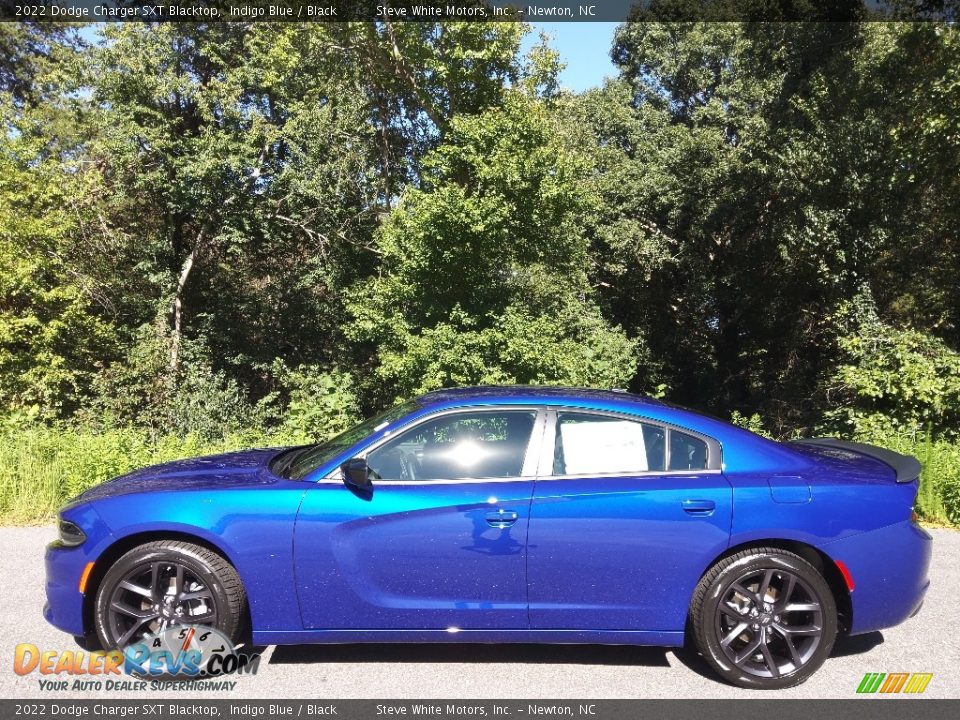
<point>698,507</point>
<point>501,518</point>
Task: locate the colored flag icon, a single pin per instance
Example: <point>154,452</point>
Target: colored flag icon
<point>890,683</point>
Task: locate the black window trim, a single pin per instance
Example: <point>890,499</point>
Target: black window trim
<point>545,466</point>
<point>530,460</point>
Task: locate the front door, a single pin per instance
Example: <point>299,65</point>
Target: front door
<point>439,543</point>
<point>621,523</point>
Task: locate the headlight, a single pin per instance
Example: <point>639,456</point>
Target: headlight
<point>70,533</point>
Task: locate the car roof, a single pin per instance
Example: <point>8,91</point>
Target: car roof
<point>743,450</point>
<point>546,394</point>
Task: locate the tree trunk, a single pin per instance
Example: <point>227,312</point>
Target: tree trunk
<point>176,308</point>
<point>398,63</point>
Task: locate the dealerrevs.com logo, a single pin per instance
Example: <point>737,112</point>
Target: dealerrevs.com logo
<point>891,683</point>
<point>158,662</point>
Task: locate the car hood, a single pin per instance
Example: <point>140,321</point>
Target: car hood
<point>236,469</point>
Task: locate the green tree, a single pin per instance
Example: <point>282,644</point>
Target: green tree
<point>52,334</point>
<point>32,55</point>
<point>755,181</point>
<point>916,83</point>
<point>417,77</point>
<point>54,328</point>
<point>892,381</point>
<point>238,194</point>
<point>484,268</point>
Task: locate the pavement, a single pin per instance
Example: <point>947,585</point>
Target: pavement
<point>925,643</point>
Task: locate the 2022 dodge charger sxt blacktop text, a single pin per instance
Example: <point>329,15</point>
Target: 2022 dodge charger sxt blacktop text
<point>513,514</point>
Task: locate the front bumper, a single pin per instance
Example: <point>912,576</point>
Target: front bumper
<point>64,608</point>
<point>889,568</point>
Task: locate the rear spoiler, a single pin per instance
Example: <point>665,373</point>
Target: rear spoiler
<point>906,467</point>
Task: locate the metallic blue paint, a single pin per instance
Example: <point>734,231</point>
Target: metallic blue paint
<point>889,566</point>
<point>419,557</point>
<point>606,559</point>
<point>622,553</point>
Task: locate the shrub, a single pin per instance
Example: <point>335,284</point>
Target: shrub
<point>42,467</point>
<point>753,423</point>
<point>142,391</point>
<point>895,381</point>
<point>939,496</point>
<point>321,403</point>
<point>938,499</point>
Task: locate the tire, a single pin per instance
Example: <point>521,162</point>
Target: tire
<point>764,641</point>
<point>165,583</point>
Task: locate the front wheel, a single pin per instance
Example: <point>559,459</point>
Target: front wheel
<point>165,583</point>
<point>764,618</point>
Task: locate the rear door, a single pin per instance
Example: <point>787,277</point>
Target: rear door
<point>625,515</point>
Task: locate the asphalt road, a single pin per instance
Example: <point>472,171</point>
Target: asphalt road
<point>926,643</point>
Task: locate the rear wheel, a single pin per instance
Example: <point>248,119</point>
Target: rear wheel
<point>764,618</point>
<point>165,583</point>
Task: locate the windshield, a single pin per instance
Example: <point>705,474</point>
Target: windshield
<point>310,458</point>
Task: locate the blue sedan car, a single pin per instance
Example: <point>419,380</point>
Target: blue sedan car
<point>509,514</point>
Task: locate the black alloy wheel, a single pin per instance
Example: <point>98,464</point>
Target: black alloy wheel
<point>166,583</point>
<point>770,623</point>
<point>764,618</point>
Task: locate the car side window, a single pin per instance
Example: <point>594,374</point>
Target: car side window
<point>460,446</point>
<point>588,444</point>
<point>687,452</point>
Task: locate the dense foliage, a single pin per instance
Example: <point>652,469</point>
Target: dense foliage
<point>239,232</point>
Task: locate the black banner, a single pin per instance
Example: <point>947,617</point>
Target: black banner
<point>476,10</point>
<point>760,709</point>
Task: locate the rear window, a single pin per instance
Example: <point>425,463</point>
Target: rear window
<point>687,452</point>
<point>596,445</point>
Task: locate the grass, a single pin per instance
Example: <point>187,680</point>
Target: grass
<point>938,501</point>
<point>41,468</point>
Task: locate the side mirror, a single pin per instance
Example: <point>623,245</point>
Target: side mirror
<point>356,473</point>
